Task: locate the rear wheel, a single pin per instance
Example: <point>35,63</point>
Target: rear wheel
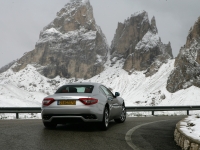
<point>122,117</point>
<point>105,122</point>
<point>50,125</point>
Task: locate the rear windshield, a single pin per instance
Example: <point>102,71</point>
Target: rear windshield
<point>75,89</point>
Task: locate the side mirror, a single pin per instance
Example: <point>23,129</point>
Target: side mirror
<point>117,94</point>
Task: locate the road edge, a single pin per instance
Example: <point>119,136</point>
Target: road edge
<point>130,132</point>
<point>184,141</point>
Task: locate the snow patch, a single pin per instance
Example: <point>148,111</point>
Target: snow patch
<point>99,58</point>
<point>190,127</point>
<point>149,41</point>
<point>139,13</point>
<point>51,30</point>
<point>91,35</point>
<point>53,36</point>
<point>85,1</point>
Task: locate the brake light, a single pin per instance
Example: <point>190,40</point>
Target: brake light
<point>88,101</point>
<point>47,101</point>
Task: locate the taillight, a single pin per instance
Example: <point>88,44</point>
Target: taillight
<point>88,101</point>
<point>47,101</point>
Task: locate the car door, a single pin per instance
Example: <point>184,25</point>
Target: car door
<point>117,108</point>
<point>113,105</point>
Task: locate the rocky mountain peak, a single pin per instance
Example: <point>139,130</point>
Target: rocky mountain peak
<point>72,45</point>
<point>129,33</point>
<point>187,64</point>
<point>153,25</point>
<point>168,49</point>
<point>75,15</point>
<point>136,41</point>
<point>194,33</point>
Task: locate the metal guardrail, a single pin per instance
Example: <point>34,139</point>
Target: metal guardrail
<point>18,110</point>
<point>162,108</point>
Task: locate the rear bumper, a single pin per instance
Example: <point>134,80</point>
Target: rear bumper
<point>60,118</point>
<point>71,115</point>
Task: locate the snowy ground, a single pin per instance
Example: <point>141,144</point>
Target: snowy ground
<point>27,88</point>
<point>191,127</point>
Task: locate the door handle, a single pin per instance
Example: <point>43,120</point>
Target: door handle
<point>110,98</point>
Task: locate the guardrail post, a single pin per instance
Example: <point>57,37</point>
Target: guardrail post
<point>188,112</point>
<point>17,115</point>
<point>152,113</point>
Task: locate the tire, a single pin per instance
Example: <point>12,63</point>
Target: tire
<point>50,125</point>
<point>105,122</point>
<point>122,117</point>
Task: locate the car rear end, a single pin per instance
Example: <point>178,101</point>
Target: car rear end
<point>67,105</point>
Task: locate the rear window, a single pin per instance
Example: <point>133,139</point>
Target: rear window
<point>75,89</point>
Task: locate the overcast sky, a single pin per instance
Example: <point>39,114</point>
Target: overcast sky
<point>21,21</point>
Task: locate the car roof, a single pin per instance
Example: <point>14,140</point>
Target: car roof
<point>85,83</point>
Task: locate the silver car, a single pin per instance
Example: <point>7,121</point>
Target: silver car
<point>83,102</point>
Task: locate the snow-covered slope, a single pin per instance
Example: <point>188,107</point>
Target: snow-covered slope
<point>139,90</point>
<point>27,87</point>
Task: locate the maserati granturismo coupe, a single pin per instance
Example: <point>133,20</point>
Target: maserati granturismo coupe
<point>83,102</point>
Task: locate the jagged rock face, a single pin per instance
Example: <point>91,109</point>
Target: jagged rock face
<point>129,34</point>
<point>193,34</point>
<point>72,45</point>
<point>138,43</point>
<point>6,67</point>
<point>187,63</point>
<point>157,63</point>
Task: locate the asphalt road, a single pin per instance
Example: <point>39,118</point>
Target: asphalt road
<point>31,135</point>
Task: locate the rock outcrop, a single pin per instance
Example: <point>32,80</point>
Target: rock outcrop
<point>6,67</point>
<point>128,34</point>
<point>72,45</point>
<point>187,63</point>
<point>137,42</point>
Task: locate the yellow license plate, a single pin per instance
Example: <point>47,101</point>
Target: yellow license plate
<point>67,102</point>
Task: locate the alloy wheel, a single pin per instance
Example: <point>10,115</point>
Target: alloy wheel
<point>123,114</point>
<point>106,115</point>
